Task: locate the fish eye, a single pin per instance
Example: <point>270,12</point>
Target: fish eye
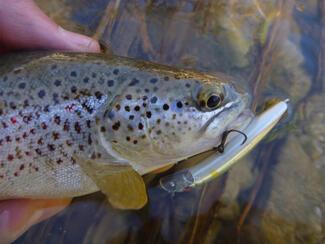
<point>213,101</point>
<point>209,98</point>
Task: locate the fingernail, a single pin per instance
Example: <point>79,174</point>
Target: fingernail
<point>79,42</point>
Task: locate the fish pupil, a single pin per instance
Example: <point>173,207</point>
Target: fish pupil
<point>213,101</point>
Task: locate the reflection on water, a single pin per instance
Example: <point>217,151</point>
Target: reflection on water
<point>276,194</point>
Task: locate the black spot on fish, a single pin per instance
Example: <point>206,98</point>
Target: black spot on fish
<point>77,127</point>
<point>128,96</point>
<point>51,147</point>
<point>102,129</point>
<point>187,85</point>
<point>128,138</point>
<point>153,80</point>
<point>134,82</point>
<point>140,126</point>
<point>137,108</point>
<point>73,89</point>
<point>46,108</point>
<point>94,75</point>
<point>116,126</point>
<point>110,83</point>
<point>127,108</point>
<point>165,107</point>
<point>153,99</point>
<point>57,83</point>
<point>86,80</point>
<point>135,142</point>
<point>12,105</point>
<point>118,107</point>
<point>41,93</point>
<point>146,90</point>
<point>131,117</point>
<point>57,119</point>
<point>22,85</point>
<point>148,114</point>
<point>73,74</point>
<point>179,104</point>
<point>158,132</point>
<point>116,71</point>
<point>98,95</point>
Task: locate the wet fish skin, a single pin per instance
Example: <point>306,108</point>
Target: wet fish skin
<point>58,107</point>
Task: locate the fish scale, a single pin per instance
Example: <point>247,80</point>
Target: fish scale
<point>58,107</point>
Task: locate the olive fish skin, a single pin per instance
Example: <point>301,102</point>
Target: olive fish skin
<point>58,107</point>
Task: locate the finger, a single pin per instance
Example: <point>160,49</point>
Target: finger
<point>24,25</point>
<point>16,216</point>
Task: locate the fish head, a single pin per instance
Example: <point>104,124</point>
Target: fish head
<point>175,119</point>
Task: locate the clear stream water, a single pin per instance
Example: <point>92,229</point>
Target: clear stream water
<point>277,48</point>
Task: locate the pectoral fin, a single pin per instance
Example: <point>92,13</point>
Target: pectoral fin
<point>122,185</point>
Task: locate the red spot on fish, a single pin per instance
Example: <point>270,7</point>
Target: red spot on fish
<point>27,153</point>
<point>13,120</point>
<point>22,166</point>
<point>25,135</point>
<point>59,161</point>
<point>16,174</point>
<point>10,157</point>
<point>33,131</point>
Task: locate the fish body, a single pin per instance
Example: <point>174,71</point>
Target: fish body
<point>60,109</point>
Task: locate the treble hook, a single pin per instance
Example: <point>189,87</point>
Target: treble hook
<point>221,147</point>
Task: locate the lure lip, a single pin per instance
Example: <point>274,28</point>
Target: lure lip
<point>217,164</point>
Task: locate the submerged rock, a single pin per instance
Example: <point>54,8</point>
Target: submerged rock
<point>296,206</point>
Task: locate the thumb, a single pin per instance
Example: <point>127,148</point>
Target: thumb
<point>23,25</point>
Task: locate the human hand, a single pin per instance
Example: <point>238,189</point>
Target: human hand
<point>17,216</point>
<point>24,26</point>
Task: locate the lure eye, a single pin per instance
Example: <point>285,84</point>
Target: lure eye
<point>213,101</point>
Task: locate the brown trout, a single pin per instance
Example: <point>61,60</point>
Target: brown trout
<point>72,124</point>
